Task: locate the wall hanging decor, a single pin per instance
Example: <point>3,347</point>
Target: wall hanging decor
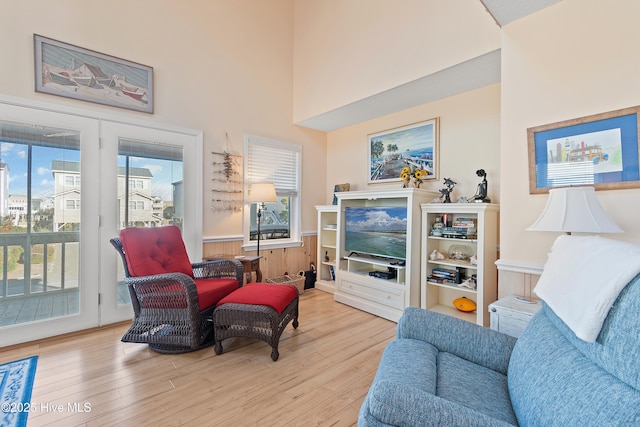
<point>226,181</point>
<point>599,150</point>
<point>74,72</point>
<point>413,148</point>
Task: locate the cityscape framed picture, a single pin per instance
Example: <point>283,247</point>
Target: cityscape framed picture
<point>599,150</point>
<point>74,72</point>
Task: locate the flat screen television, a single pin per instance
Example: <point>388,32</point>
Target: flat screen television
<point>376,231</point>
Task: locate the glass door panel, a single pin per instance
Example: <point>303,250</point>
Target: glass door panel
<point>41,217</point>
<point>146,191</point>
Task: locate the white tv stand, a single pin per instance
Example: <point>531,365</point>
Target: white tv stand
<point>384,297</point>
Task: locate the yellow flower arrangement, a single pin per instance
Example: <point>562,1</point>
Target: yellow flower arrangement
<point>412,178</point>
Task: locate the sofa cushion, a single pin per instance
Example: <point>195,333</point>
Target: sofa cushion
<point>173,295</point>
<point>553,383</point>
<point>474,386</point>
<point>155,250</point>
<point>404,391</point>
<point>617,349</point>
<point>277,297</point>
<point>211,291</point>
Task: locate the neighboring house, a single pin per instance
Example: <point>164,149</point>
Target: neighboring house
<point>17,208</point>
<point>144,209</point>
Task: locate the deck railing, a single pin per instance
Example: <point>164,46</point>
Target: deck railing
<point>39,263</point>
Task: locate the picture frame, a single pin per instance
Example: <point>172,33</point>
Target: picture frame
<point>70,71</point>
<point>600,150</point>
<point>415,145</point>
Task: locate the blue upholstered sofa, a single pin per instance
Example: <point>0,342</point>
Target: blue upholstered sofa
<point>442,371</point>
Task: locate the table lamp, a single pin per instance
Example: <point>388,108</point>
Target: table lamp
<point>261,193</point>
<point>574,210</point>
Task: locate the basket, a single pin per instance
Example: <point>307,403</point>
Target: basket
<point>297,281</point>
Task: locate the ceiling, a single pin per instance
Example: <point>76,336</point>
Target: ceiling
<point>506,11</point>
<point>472,74</point>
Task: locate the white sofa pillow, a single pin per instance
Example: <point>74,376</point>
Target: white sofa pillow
<point>583,277</point>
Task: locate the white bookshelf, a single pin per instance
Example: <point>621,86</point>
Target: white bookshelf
<point>327,238</point>
<point>439,297</point>
<point>384,297</point>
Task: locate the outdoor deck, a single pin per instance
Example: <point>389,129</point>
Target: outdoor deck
<point>17,310</point>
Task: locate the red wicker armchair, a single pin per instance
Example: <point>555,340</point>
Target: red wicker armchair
<point>173,299</point>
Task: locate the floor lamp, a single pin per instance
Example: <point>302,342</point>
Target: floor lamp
<point>261,193</point>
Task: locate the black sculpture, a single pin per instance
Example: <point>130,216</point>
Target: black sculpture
<point>481,193</point>
<point>446,192</point>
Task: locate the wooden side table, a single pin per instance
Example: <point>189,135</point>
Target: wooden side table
<point>510,315</point>
<point>250,263</point>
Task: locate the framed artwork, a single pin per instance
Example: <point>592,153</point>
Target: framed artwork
<point>74,72</point>
<point>599,150</point>
<point>414,146</point>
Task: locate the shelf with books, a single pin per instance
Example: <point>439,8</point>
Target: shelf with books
<point>326,252</point>
<point>459,246</point>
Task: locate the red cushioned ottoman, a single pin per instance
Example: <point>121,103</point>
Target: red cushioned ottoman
<point>257,310</point>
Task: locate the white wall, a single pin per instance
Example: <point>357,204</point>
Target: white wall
<point>220,66</point>
<point>469,140</point>
<point>573,59</point>
<point>346,51</point>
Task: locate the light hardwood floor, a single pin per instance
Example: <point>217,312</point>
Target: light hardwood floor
<point>323,373</point>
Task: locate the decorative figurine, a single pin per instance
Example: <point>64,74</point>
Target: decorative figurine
<point>446,192</point>
<point>435,256</point>
<point>481,193</point>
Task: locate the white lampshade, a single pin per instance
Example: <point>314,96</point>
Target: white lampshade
<point>574,210</point>
<point>262,192</point>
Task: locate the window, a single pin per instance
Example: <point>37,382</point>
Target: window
<point>267,160</point>
<point>72,180</point>
<point>72,204</point>
<point>153,172</point>
<point>136,184</point>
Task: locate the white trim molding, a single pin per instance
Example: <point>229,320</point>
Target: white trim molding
<point>519,267</point>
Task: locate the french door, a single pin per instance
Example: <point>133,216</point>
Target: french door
<point>49,223</point>
<point>158,182</point>
<point>68,184</point>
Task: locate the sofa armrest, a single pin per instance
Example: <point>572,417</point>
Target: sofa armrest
<point>167,290</point>
<point>394,404</point>
<point>467,340</point>
<point>222,268</point>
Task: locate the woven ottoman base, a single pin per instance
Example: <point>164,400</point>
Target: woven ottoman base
<point>249,312</point>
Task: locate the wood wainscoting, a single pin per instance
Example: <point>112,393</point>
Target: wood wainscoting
<point>274,262</point>
<point>517,278</point>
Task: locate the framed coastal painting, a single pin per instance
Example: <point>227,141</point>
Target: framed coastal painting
<point>414,146</point>
<point>74,72</point>
<point>599,150</point>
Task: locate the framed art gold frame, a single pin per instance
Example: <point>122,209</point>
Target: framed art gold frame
<point>415,145</point>
<point>600,150</point>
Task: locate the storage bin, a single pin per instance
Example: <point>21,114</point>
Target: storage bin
<point>297,281</point>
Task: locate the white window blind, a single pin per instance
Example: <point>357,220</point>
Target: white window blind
<point>273,161</point>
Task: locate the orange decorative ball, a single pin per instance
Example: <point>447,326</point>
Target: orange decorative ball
<point>464,304</point>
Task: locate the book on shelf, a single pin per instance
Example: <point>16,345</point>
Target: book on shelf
<point>441,280</point>
<point>453,276</point>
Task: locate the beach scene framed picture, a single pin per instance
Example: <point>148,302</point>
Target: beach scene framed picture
<point>414,146</point>
<point>74,72</point>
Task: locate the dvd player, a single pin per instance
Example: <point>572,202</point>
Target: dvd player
<point>383,274</point>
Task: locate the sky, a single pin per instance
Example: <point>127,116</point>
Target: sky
<point>15,155</point>
<point>377,218</point>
